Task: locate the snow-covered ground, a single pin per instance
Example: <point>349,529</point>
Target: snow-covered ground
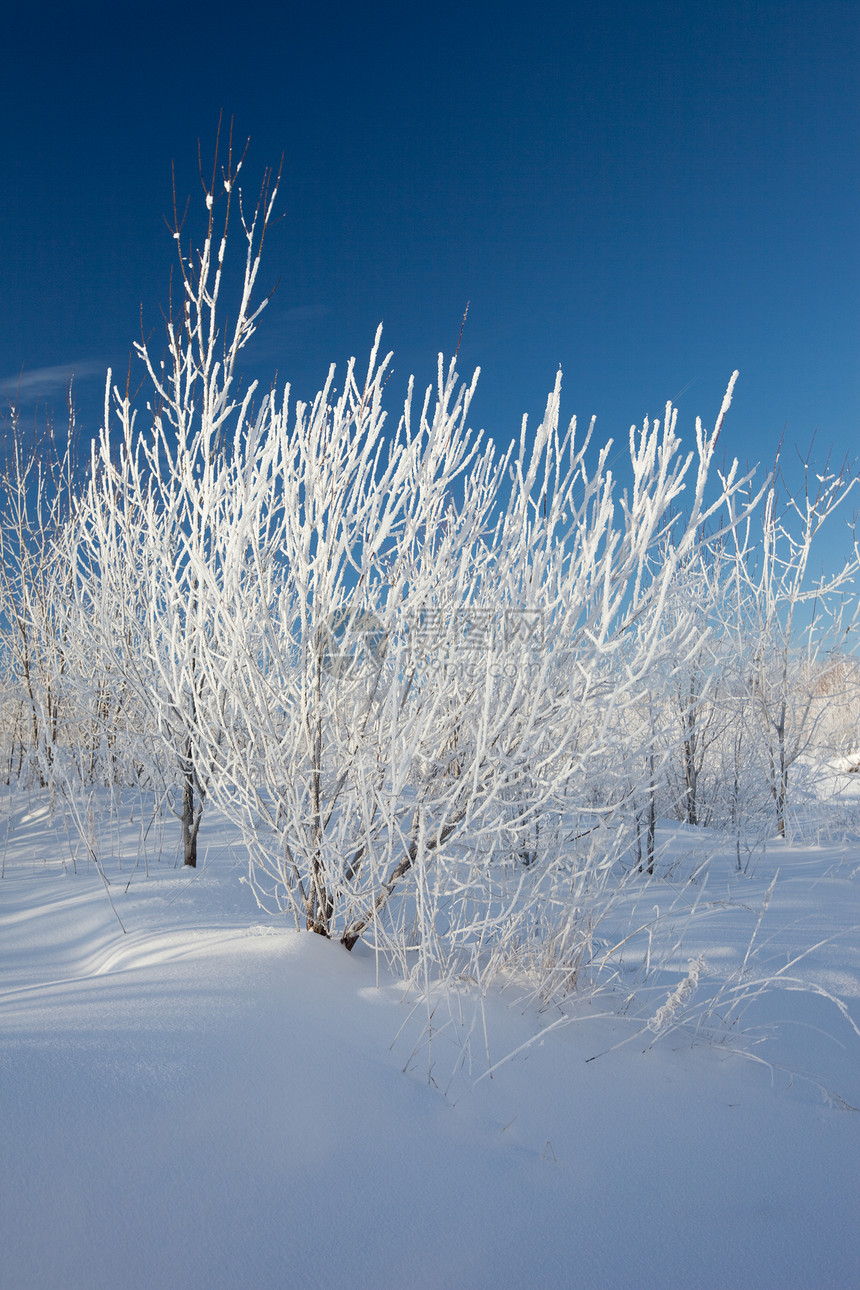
<point>210,1099</point>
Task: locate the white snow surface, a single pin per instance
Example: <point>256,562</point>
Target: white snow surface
<point>211,1099</point>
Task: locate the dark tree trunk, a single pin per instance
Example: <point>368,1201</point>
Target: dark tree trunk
<point>192,811</point>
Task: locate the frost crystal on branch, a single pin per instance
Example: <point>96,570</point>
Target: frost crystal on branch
<point>678,999</point>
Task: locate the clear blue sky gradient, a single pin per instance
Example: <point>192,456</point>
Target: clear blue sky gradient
<point>647,194</point>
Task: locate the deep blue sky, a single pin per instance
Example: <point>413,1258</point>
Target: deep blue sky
<point>649,194</point>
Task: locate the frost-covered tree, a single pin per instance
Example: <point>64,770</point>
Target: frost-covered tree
<point>783,619</point>
<point>414,681</point>
<point>406,662</point>
<point>150,525</point>
<point>38,487</point>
